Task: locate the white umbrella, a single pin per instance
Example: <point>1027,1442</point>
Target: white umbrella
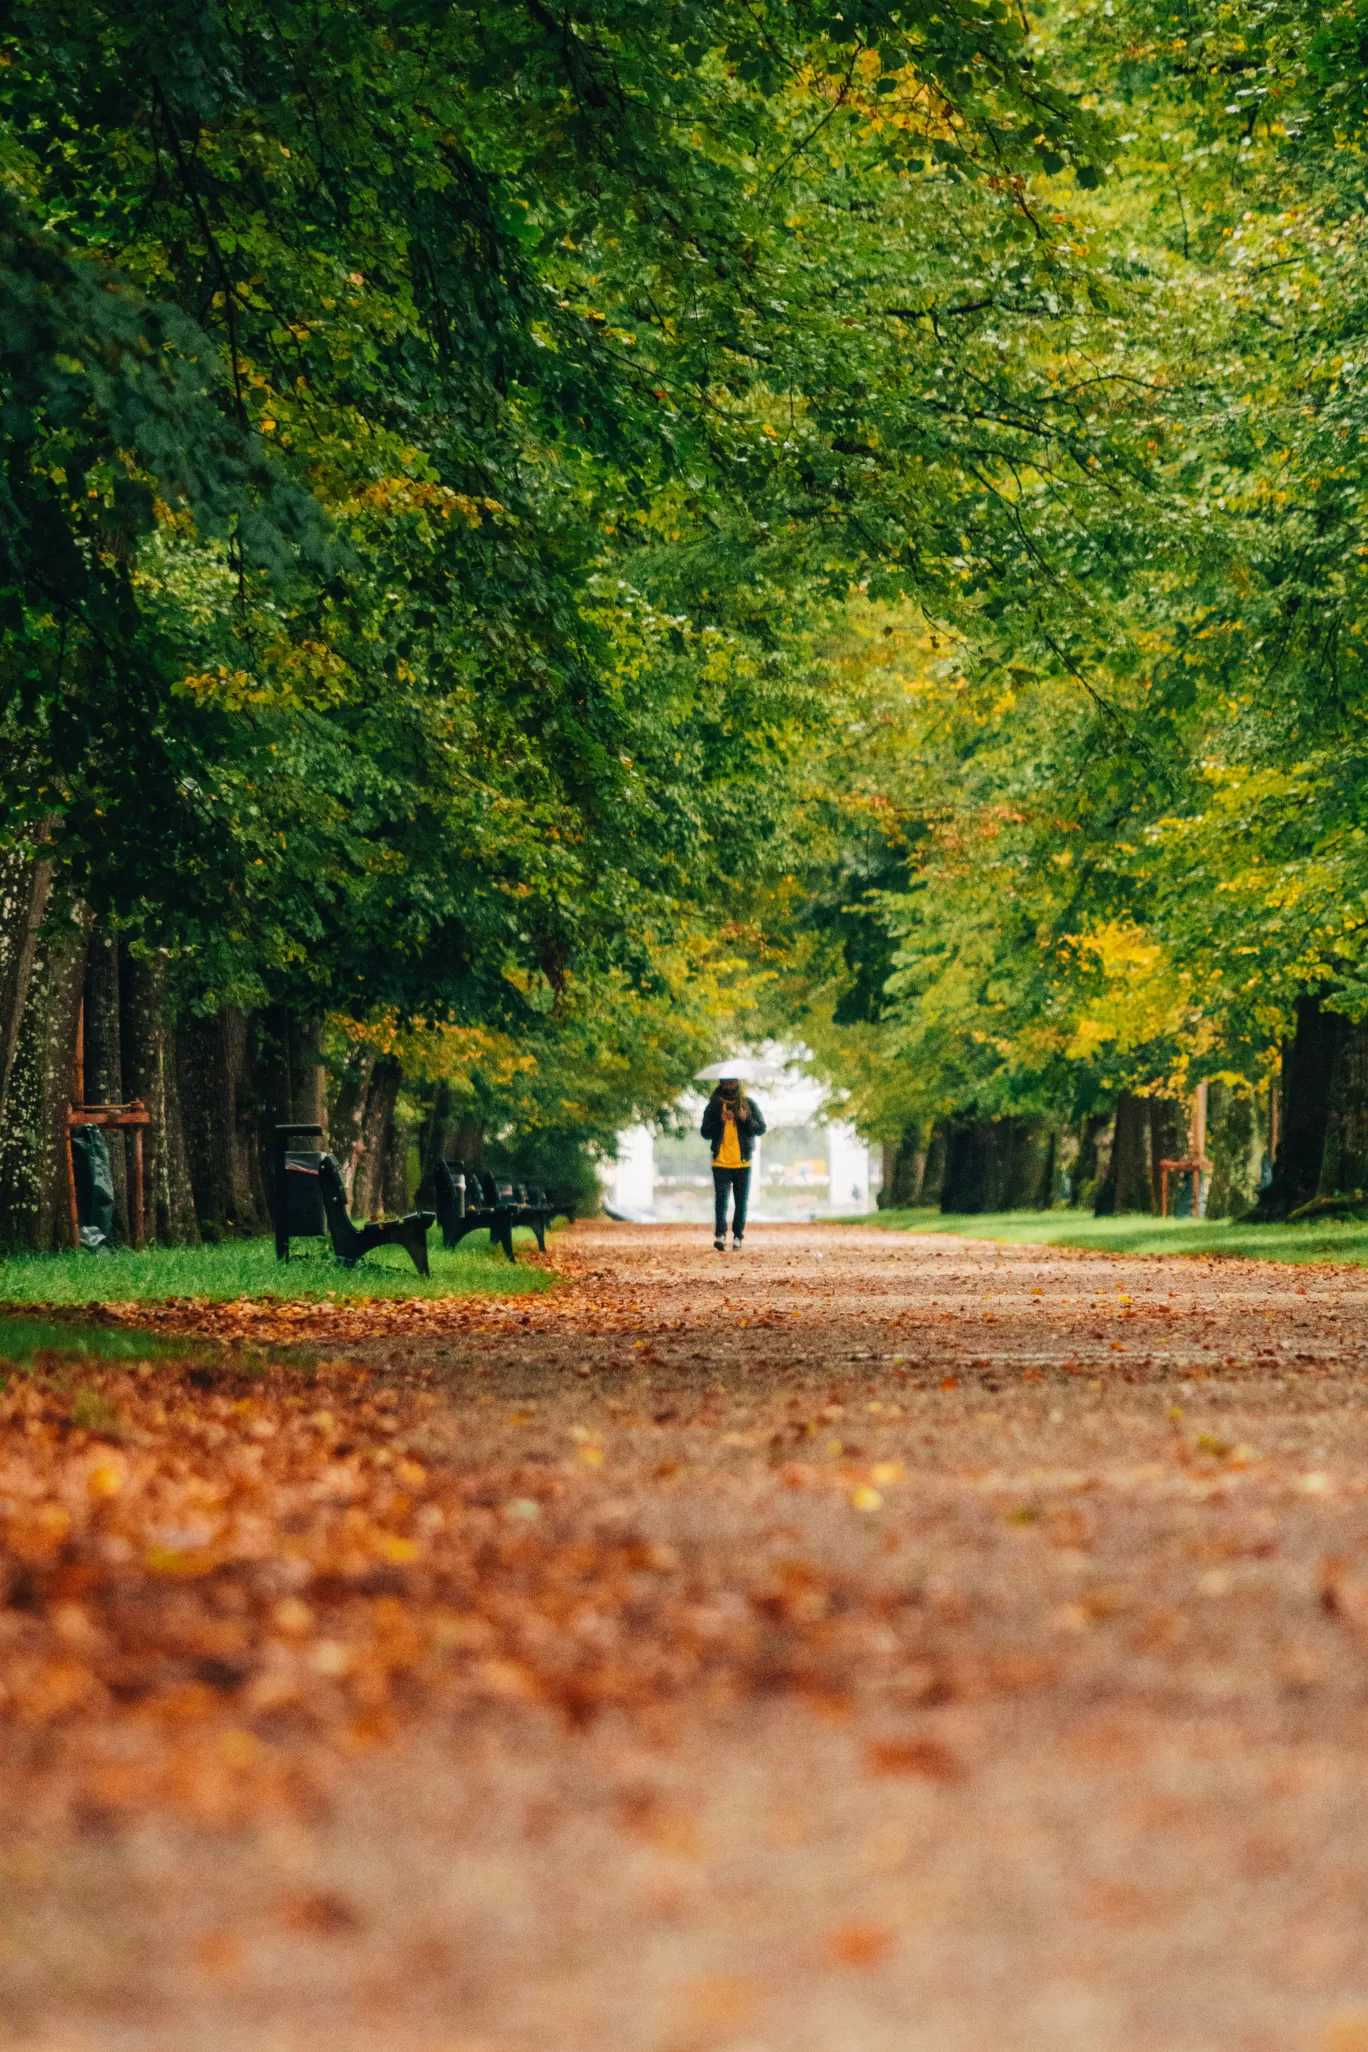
<point>741,1066</point>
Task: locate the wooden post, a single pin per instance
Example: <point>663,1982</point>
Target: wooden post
<point>71,1185</point>
<point>135,1191</point>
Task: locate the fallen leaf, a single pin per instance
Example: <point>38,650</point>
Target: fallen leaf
<point>859,1945</point>
<point>926,1758</point>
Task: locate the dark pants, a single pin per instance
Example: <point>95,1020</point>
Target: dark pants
<point>738,1182</point>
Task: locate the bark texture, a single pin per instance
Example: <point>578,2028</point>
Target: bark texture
<point>25,885</point>
<point>466,1143</point>
<point>933,1174</point>
<point>35,1214</point>
<point>347,1118</point>
<point>373,1186</point>
<point>149,1054</point>
<point>998,1165</point>
<point>1146,1132</point>
<point>1235,1141</point>
<point>1308,1066</point>
<point>1169,1141</point>
<point>432,1142</point>
<point>1068,1149</point>
<point>291,1080</point>
<point>219,1114</point>
<point>1344,1154</point>
<point>1126,1184</point>
<point>904,1168</point>
<point>291,1076</point>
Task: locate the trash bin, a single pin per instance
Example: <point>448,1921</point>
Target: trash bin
<point>94,1189</point>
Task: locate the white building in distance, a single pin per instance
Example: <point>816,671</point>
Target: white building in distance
<point>808,1165</point>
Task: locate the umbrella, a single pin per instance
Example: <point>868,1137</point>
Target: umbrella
<point>740,1066</point>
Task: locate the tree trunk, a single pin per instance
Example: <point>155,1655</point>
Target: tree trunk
<point>904,1168</point>
<point>1344,1157</point>
<point>432,1142</point>
<point>394,1180</point>
<point>933,1175</point>
<point>1169,1141</point>
<point>35,1208</point>
<point>971,1171</point>
<point>1126,1185</point>
<point>149,1054</point>
<point>1068,1153</point>
<point>291,1075</point>
<point>219,1115</point>
<point>998,1165</point>
<point>102,1056</point>
<point>1028,1165</point>
<point>25,884</point>
<point>1234,1149</point>
<point>347,1118</point>
<point>377,1138</point>
<point>1308,1063</point>
<point>1104,1141</point>
<point>1147,1131</point>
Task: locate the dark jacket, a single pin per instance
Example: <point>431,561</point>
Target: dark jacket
<point>750,1124</point>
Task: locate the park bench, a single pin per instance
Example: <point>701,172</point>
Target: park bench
<point>310,1200</point>
<point>468,1200</point>
<point>530,1207</point>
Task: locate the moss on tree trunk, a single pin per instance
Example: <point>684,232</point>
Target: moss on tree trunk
<point>149,1057</point>
<point>25,884</point>
<point>35,1212</point>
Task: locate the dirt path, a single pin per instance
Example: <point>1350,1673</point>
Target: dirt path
<point>870,1644</point>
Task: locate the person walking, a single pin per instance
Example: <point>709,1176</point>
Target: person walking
<point>732,1122</point>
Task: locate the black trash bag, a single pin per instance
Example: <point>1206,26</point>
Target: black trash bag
<point>94,1188</point>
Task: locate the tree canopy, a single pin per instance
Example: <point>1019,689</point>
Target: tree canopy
<point>535,532</point>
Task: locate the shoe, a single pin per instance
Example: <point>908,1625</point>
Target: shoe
<point>721,1246</point>
<point>736,1243</point>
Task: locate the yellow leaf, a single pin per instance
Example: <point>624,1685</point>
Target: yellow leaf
<point>186,1562</point>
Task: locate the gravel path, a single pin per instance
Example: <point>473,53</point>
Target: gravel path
<point>988,1673</point>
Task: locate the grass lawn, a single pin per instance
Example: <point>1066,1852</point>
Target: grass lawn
<point>248,1268</point>
<point>1327,1240</point>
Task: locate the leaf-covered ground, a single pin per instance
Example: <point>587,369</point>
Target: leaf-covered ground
<point>870,1644</point>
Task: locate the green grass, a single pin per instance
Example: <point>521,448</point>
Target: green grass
<point>248,1268</point>
<point>1326,1240</point>
<point>24,1340</point>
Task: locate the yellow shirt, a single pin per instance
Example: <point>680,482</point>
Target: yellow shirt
<point>728,1154</point>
